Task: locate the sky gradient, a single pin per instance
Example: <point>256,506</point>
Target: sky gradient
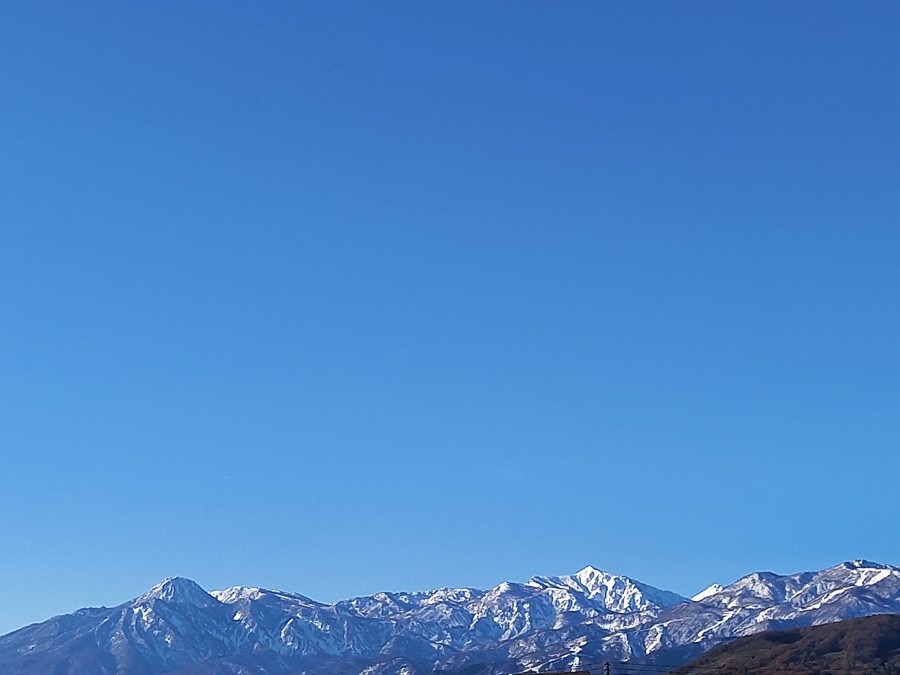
<point>348,297</point>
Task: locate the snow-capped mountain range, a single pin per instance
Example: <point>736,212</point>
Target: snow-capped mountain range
<point>546,623</point>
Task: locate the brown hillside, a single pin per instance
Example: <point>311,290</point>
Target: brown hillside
<point>866,646</point>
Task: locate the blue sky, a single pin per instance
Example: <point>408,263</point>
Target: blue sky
<point>346,297</point>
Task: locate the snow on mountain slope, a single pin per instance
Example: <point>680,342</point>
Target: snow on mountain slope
<point>178,589</point>
<point>763,600</point>
<point>708,591</point>
<point>608,592</point>
<point>546,622</point>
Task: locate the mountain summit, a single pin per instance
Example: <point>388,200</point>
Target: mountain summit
<point>178,589</point>
<point>546,623</point>
<point>609,592</point>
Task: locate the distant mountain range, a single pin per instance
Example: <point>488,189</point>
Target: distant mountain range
<point>546,623</point>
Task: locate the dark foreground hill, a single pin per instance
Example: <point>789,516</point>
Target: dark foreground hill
<point>869,645</point>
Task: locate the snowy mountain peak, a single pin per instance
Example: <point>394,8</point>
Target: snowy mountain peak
<point>238,593</point>
<point>180,590</point>
<point>714,589</point>
<point>596,580</point>
<point>614,592</point>
<point>864,572</point>
<point>864,564</point>
<point>590,571</point>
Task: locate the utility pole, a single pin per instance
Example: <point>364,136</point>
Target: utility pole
<point>606,668</point>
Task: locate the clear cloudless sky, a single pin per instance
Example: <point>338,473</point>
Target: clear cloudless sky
<point>347,297</point>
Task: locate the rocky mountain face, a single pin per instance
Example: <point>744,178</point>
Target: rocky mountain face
<point>547,623</point>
